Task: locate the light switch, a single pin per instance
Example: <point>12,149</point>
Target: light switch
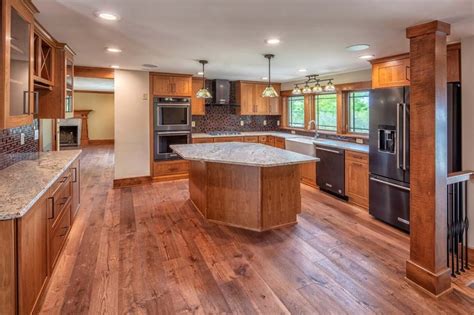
<point>242,122</point>
<point>278,123</point>
<point>193,124</point>
<point>264,122</point>
<point>22,138</point>
<point>36,134</point>
<point>145,96</point>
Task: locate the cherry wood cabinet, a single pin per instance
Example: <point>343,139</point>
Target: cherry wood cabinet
<point>203,140</point>
<point>57,102</point>
<point>171,84</point>
<point>16,78</point>
<point>308,174</point>
<point>76,188</point>
<point>198,105</point>
<point>229,139</point>
<point>249,97</point>
<point>44,57</point>
<point>251,139</point>
<point>357,178</point>
<point>280,143</point>
<point>394,71</point>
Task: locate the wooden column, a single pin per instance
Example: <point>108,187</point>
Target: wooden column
<point>428,167</point>
<point>83,115</point>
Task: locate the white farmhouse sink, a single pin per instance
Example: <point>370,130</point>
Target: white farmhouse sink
<point>301,145</point>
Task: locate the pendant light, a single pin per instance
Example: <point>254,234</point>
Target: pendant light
<point>330,87</point>
<point>269,90</point>
<point>307,89</point>
<point>203,92</point>
<point>296,90</point>
<point>317,88</point>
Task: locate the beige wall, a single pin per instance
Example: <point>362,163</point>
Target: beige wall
<point>467,88</point>
<point>132,135</point>
<point>341,78</point>
<point>101,119</point>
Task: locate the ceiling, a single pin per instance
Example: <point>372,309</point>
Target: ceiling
<point>173,34</point>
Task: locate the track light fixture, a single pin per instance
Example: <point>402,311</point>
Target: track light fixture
<point>317,88</point>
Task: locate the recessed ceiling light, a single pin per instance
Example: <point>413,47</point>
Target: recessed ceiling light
<point>264,78</point>
<point>302,70</point>
<point>366,56</point>
<point>200,73</point>
<point>272,41</point>
<point>115,66</point>
<point>149,65</point>
<point>357,47</point>
<point>114,50</point>
<point>107,16</point>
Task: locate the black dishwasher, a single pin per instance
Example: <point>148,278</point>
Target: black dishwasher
<point>330,170</point>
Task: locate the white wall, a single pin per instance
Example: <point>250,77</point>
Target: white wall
<point>467,89</point>
<point>132,136</point>
<point>348,77</point>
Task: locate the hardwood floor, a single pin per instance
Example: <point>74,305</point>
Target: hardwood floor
<point>146,250</point>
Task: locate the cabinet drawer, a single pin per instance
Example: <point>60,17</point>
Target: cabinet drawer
<point>59,235</point>
<point>270,141</point>
<point>251,139</point>
<point>357,156</point>
<point>60,197</point>
<point>279,143</point>
<point>203,140</point>
<point>229,139</point>
<point>262,139</point>
<point>170,168</point>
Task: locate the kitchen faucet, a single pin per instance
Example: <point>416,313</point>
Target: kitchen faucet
<point>316,134</point>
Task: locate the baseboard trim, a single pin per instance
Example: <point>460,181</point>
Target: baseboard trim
<point>131,181</point>
<point>101,141</point>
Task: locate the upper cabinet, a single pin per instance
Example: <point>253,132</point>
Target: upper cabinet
<point>171,85</point>
<point>57,101</point>
<point>249,97</point>
<point>198,105</point>
<point>395,70</point>
<point>44,57</point>
<point>16,48</point>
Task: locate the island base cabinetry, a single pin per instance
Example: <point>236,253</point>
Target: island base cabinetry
<point>248,197</point>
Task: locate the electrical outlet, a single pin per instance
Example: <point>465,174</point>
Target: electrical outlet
<point>293,132</point>
<point>36,134</point>
<point>360,141</point>
<point>193,124</point>
<point>22,138</point>
<point>242,122</point>
<point>278,123</point>
<point>145,96</point>
<point>264,122</point>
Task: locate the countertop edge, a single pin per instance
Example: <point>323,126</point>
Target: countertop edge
<point>250,164</point>
<point>21,213</point>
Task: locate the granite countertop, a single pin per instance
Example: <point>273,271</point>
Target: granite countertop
<point>23,183</point>
<point>362,148</point>
<point>251,154</point>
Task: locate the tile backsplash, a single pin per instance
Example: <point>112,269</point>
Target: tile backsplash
<point>11,149</point>
<point>226,118</point>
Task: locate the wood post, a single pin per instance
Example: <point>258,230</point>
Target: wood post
<point>426,266</point>
<point>83,115</point>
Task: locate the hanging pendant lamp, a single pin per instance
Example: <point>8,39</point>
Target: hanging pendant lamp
<point>203,92</point>
<point>269,90</point>
<point>329,87</point>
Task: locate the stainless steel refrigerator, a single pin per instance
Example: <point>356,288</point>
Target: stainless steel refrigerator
<point>389,157</point>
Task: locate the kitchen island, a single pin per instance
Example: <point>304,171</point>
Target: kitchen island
<point>246,185</point>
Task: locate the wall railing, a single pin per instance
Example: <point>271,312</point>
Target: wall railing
<point>458,222</point>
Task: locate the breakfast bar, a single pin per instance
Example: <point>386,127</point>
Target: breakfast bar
<point>246,185</point>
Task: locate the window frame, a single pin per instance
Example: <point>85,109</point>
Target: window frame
<point>288,111</point>
<point>315,112</point>
<point>347,112</point>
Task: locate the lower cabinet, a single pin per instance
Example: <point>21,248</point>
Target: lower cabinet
<point>280,143</point>
<point>308,174</point>
<point>170,170</point>
<point>357,178</point>
<point>32,244</point>
<point>203,140</point>
<point>76,188</point>
<point>251,139</point>
<point>229,139</point>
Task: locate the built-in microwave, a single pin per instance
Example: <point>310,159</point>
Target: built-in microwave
<point>172,114</point>
<point>163,141</point>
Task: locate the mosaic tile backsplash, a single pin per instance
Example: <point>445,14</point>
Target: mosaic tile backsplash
<point>225,118</point>
<point>11,151</point>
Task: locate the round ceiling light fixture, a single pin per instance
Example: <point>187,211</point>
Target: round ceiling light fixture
<point>115,66</point>
<point>114,50</point>
<point>366,57</point>
<point>302,70</point>
<point>107,16</point>
<point>357,47</point>
<point>264,78</point>
<point>272,41</point>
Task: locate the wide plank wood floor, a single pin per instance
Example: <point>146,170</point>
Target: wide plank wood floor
<point>145,250</point>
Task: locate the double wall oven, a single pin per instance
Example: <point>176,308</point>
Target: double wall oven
<point>172,125</point>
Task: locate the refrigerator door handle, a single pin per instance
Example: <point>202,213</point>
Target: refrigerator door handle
<point>397,143</point>
<point>389,184</point>
<point>404,157</point>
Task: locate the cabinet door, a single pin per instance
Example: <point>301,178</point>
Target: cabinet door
<point>18,85</point>
<point>198,105</point>
<point>279,142</point>
<point>247,99</point>
<point>203,140</point>
<point>454,65</point>
<point>308,174</point>
<point>181,86</point>
<point>229,139</point>
<point>76,188</point>
<point>274,103</point>
<point>357,181</point>
<point>162,86</point>
<point>261,103</point>
<point>32,256</point>
<point>69,96</point>
<point>391,73</point>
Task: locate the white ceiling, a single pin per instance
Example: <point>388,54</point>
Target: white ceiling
<point>173,34</point>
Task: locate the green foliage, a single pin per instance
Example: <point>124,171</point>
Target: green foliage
<point>296,111</point>
<point>326,111</point>
<point>359,112</point>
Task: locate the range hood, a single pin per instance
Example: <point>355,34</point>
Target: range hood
<point>220,90</point>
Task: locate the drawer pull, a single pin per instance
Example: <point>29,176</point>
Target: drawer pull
<point>75,175</point>
<point>51,209</point>
<point>63,179</point>
<point>65,229</point>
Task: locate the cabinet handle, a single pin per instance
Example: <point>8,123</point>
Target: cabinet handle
<point>36,106</point>
<point>51,209</point>
<point>26,107</point>
<point>407,71</point>
<point>75,175</point>
<point>65,228</point>
<point>63,179</point>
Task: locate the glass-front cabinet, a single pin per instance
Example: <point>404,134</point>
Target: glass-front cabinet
<point>17,101</point>
<point>69,101</point>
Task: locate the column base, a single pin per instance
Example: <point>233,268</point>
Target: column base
<point>435,284</point>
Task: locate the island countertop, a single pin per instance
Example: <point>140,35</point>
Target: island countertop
<point>240,153</point>
<point>23,183</point>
